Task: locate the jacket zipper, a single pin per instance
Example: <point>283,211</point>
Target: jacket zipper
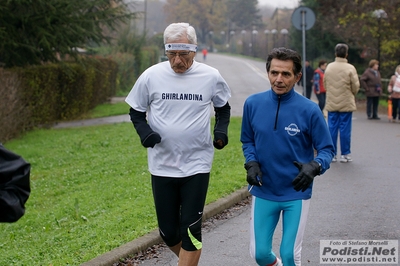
<point>277,111</point>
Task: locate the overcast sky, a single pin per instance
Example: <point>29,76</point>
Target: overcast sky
<point>280,3</point>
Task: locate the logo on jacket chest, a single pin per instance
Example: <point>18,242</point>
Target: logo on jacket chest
<point>292,129</point>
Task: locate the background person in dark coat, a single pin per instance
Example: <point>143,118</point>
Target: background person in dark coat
<point>309,79</point>
<point>371,82</point>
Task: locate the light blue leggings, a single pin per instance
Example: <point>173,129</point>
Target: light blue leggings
<point>264,219</point>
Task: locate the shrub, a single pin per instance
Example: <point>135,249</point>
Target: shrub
<point>12,109</point>
<point>42,95</point>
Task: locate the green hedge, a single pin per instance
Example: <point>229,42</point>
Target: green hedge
<point>66,91</point>
<point>39,96</point>
<point>131,66</point>
<point>54,92</point>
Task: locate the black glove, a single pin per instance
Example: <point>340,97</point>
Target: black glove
<point>254,174</point>
<point>220,140</point>
<point>148,137</point>
<point>151,140</point>
<point>222,117</point>
<point>306,175</point>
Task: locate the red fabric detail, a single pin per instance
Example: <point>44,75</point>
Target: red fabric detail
<point>321,80</point>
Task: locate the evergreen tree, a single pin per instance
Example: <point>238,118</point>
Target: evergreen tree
<point>33,32</point>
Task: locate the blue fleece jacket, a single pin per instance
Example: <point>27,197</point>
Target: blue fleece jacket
<point>278,130</point>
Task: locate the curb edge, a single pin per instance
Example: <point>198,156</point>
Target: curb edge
<point>153,238</point>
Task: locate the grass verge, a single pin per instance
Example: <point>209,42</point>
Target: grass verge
<point>91,192</point>
<point>107,109</point>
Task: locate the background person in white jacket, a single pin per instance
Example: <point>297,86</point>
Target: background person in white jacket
<point>342,84</point>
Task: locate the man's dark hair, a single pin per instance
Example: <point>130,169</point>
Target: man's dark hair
<point>285,54</point>
<point>341,50</point>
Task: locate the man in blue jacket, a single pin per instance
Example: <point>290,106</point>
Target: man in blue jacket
<point>286,143</point>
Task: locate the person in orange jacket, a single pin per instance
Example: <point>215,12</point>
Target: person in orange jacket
<point>204,51</point>
<point>319,88</point>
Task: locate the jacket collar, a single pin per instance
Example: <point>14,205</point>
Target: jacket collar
<point>340,59</point>
<point>283,97</point>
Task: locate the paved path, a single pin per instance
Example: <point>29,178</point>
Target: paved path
<point>353,201</point>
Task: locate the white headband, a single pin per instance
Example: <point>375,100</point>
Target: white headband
<point>181,46</point>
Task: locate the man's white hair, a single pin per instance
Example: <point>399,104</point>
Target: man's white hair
<point>176,31</point>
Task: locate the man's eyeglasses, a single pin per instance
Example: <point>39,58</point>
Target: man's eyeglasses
<point>180,54</point>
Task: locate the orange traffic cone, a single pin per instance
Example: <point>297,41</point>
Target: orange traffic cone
<point>390,117</point>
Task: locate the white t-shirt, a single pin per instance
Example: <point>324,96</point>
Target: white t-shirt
<point>178,107</point>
